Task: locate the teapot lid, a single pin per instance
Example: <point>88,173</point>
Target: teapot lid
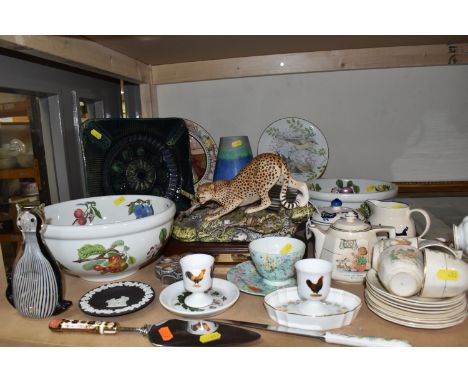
<point>351,224</point>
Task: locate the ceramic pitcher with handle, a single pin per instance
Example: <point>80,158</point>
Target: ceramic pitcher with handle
<point>398,215</point>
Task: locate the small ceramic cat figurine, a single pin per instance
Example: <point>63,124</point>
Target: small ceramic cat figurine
<point>35,287</point>
<point>252,183</point>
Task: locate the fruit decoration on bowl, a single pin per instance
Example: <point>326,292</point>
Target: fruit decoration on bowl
<point>108,237</point>
<point>351,192</point>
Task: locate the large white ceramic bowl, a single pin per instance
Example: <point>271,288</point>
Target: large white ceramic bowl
<point>108,237</point>
<point>321,195</point>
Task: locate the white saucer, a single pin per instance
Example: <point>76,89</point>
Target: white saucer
<point>224,292</point>
<point>284,307</point>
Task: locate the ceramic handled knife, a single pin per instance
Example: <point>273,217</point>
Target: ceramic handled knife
<point>329,337</point>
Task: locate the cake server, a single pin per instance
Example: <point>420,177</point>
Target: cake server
<point>329,337</point>
<point>170,332</point>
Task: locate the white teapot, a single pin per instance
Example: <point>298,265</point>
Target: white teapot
<point>348,245</point>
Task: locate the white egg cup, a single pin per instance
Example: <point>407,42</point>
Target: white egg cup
<point>313,285</point>
<point>197,271</point>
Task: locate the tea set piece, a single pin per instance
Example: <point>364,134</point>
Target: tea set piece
<point>401,270</point>
<point>446,274</point>
<point>429,268</point>
<point>223,293</point>
<point>397,214</point>
<point>415,311</point>
<point>460,235</point>
<point>348,245</point>
<point>283,307</point>
<point>117,298</point>
<point>351,192</point>
<point>274,257</point>
<point>272,265</point>
<point>426,316</point>
<point>326,216</point>
<point>437,320</point>
<point>246,277</point>
<point>373,283</point>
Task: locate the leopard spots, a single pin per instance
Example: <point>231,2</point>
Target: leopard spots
<point>251,184</point>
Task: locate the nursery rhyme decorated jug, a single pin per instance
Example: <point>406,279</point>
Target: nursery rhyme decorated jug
<point>398,215</point>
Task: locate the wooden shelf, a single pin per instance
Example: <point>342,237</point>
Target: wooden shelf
<point>22,173</point>
<point>10,237</point>
<point>19,173</point>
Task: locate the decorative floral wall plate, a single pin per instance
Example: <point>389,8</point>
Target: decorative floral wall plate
<point>116,299</point>
<point>300,143</point>
<point>204,152</point>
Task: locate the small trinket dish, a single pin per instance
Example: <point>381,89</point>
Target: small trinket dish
<point>284,307</point>
<point>168,269</point>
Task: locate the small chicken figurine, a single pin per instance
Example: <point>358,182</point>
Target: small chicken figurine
<point>196,279</point>
<point>315,287</point>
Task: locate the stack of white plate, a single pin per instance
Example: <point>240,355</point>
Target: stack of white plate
<point>415,312</point>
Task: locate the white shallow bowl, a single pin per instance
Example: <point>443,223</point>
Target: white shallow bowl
<point>283,307</point>
<point>113,242</point>
<point>366,189</point>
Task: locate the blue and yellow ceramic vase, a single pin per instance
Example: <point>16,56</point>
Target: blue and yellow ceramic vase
<point>233,154</point>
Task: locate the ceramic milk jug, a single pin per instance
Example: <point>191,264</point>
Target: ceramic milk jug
<point>348,245</point>
<point>35,288</point>
<point>398,215</point>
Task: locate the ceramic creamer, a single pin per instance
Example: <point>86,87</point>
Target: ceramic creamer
<point>398,215</point>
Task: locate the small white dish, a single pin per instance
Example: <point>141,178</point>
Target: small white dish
<point>284,307</point>
<point>224,294</point>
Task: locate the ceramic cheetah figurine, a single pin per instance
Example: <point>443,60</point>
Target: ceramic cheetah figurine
<point>253,183</point>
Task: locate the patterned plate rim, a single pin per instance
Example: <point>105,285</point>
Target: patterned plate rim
<point>199,133</point>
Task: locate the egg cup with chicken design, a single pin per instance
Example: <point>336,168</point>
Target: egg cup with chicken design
<point>197,270</point>
<point>313,285</point>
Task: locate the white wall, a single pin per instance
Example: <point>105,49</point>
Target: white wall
<point>393,124</point>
